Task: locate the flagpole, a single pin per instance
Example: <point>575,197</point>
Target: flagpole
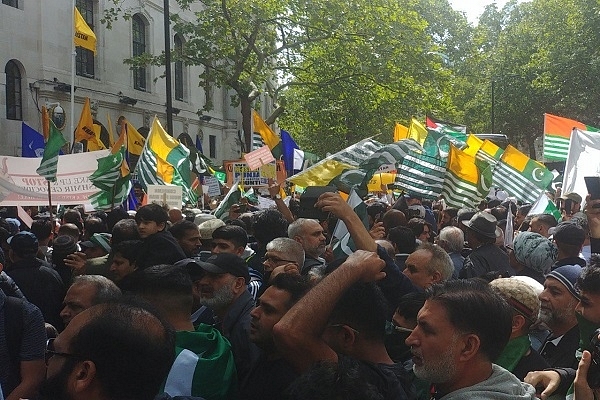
<point>50,203</point>
<point>73,56</point>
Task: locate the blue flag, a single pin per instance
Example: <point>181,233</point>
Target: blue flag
<point>287,151</point>
<point>199,144</point>
<point>32,142</point>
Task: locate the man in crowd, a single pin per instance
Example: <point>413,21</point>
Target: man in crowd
<point>542,223</point>
<point>310,234</point>
<point>188,236</point>
<point>98,245</point>
<point>461,329</point>
<point>569,238</point>
<point>109,351</point>
<point>283,255</point>
<point>125,229</point>
<point>427,265</point>
<point>558,302</point>
<point>87,291</point>
<point>452,240</point>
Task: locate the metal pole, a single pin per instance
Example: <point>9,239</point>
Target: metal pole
<point>73,56</point>
<point>168,68</point>
<point>493,81</point>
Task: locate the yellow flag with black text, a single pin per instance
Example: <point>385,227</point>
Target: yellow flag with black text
<point>84,36</point>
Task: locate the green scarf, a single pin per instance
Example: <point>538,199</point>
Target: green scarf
<point>513,352</point>
<point>586,328</point>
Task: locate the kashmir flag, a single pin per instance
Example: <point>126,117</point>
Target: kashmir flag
<point>473,145</point>
<point>288,145</point>
<point>32,142</point>
<point>345,246</point>
<point>417,131</point>
<point>557,133</point>
<point>464,185</point>
<point>400,132</point>
<point>135,140</point>
<point>267,134</point>
<point>232,197</point>
<point>488,153</point>
<point>437,143</point>
<point>421,174</point>
<point>84,36</point>
<point>49,164</point>
<point>583,160</point>
<point>544,205</point>
<point>112,179</point>
<point>321,173</point>
<point>165,161</point>
<point>520,176</point>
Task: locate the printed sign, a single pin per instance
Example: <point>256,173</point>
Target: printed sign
<point>170,195</point>
<point>258,158</point>
<point>212,186</point>
<point>248,178</point>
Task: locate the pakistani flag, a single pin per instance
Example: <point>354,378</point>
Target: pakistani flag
<point>49,164</point>
<point>464,185</point>
<point>422,175</point>
<point>437,144</point>
<point>344,246</point>
<point>112,178</point>
<point>232,197</point>
<point>544,205</point>
<point>520,176</point>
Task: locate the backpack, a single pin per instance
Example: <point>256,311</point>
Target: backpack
<point>13,332</point>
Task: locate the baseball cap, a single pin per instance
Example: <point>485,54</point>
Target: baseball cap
<point>98,240</point>
<point>572,196</point>
<point>569,233</point>
<point>23,242</point>
<point>14,225</point>
<point>226,263</point>
<point>192,266</point>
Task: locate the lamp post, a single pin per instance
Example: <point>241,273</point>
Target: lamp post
<point>168,68</point>
<point>493,101</point>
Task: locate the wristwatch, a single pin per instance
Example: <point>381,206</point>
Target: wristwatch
<point>276,197</point>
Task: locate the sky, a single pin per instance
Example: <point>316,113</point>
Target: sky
<point>474,8</point>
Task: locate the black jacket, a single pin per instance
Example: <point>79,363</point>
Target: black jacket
<point>160,248</point>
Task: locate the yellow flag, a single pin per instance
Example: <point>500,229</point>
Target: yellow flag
<point>84,36</point>
<point>268,136</point>
<point>95,143</point>
<point>400,132</point>
<point>111,138</point>
<point>417,131</point>
<point>85,127</point>
<point>135,141</point>
<point>473,145</point>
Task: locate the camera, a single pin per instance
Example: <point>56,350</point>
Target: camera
<point>593,376</point>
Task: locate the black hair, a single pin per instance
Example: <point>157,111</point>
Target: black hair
<point>179,228</point>
<point>418,225</point>
<point>127,344</point>
<point>546,219</point>
<point>410,304</point>
<point>114,216</point>
<point>125,229</point>
<point>166,286</point>
<point>128,249</point>
<point>589,280</point>
<point>94,225</point>
<point>473,307</point>
<point>376,209</point>
<point>42,228</point>
<point>268,225</point>
<point>235,234</point>
<point>295,285</point>
<point>152,212</point>
<point>403,238</point>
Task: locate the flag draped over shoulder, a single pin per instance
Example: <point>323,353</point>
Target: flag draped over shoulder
<point>400,132</point>
<point>464,185</point>
<point>113,179</point>
<point>49,164</point>
<point>84,36</point>
<point>32,142</point>
<point>583,160</point>
<point>288,145</point>
<point>321,173</point>
<point>266,133</point>
<point>520,176</point>
<point>421,174</point>
<point>557,133</point>
<point>165,161</point>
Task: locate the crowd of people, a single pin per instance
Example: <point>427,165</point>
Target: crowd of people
<point>421,302</point>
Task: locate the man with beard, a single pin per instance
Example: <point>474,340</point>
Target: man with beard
<point>271,374</point>
<point>559,299</point>
<point>462,327</point>
<point>109,351</point>
<point>188,236</point>
<point>310,234</point>
<point>223,289</point>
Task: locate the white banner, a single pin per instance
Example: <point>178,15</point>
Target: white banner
<point>21,185</point>
<point>584,153</point>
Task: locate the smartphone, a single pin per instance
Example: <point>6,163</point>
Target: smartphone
<point>593,186</point>
<point>309,198</point>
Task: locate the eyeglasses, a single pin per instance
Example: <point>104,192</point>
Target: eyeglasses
<point>276,260</point>
<point>50,352</point>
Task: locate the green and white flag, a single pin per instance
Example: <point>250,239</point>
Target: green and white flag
<point>113,179</point>
<point>544,205</point>
<point>422,175</point>
<point>464,184</point>
<point>437,144</point>
<point>345,246</point>
<point>232,197</point>
<point>49,164</point>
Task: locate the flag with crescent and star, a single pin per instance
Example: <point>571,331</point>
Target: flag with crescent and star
<point>437,144</point>
<point>520,176</point>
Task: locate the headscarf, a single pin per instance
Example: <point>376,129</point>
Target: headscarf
<point>535,251</point>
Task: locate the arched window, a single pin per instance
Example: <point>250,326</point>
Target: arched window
<point>14,94</point>
<point>84,62</point>
<point>139,48</point>
<point>179,69</point>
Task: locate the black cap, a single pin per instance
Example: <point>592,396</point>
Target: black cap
<point>569,233</point>
<point>23,243</point>
<point>226,263</point>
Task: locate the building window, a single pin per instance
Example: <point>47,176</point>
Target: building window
<point>179,69</point>
<point>212,146</point>
<point>84,62</point>
<point>139,48</point>
<point>12,3</point>
<point>14,98</point>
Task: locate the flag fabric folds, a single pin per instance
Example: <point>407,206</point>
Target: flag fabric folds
<point>582,160</point>
<point>84,36</point>
<point>288,145</point>
<point>165,161</point>
<point>112,177</point>
<point>45,123</point>
<point>232,197</point>
<point>557,133</point>
<point>392,154</point>
<point>345,246</point>
<point>32,142</point>
<point>520,176</point>
<point>266,133</point>
<point>544,205</point>
<point>421,174</point>
<point>85,127</point>
<point>49,164</point>
<point>464,185</point>
<point>400,132</point>
<point>321,173</point>
<point>135,140</point>
<point>449,128</point>
<point>199,145</point>
<point>417,131</point>
<point>437,144</point>
<point>473,145</point>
